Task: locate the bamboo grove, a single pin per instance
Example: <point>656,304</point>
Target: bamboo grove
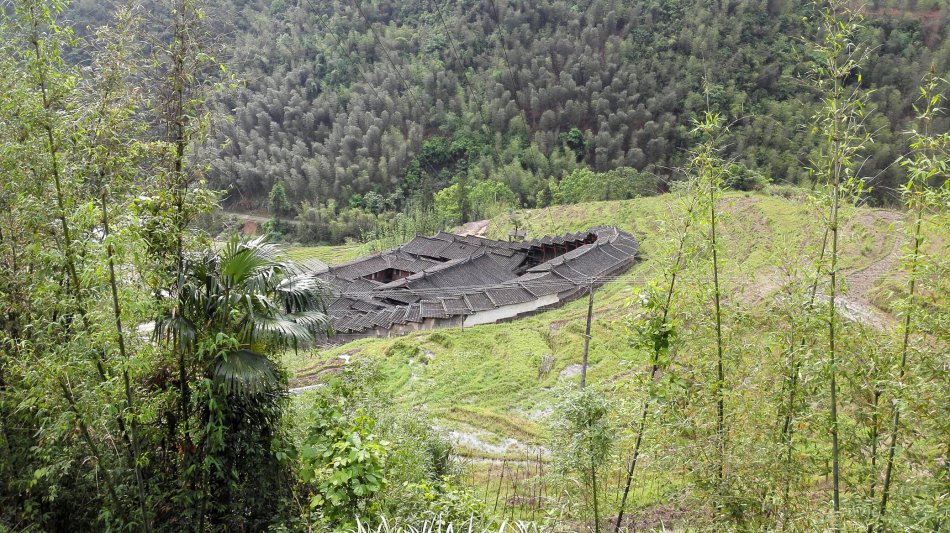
<point>824,458</point>
<point>104,423</point>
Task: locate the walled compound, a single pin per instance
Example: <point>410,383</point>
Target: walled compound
<point>452,280</point>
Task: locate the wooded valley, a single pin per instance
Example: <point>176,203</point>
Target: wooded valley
<point>777,357</point>
<point>354,110</point>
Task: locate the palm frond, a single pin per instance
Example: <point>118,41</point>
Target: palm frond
<point>263,280</point>
<point>315,320</point>
<point>280,329</point>
<point>170,328</point>
<point>238,268</point>
<point>246,373</point>
<point>248,290</point>
<point>304,292</point>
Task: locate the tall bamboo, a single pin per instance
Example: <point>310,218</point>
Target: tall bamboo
<point>655,356</point>
<point>928,162</point>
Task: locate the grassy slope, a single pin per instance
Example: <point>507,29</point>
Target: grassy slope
<point>330,255</point>
<point>484,381</point>
<point>487,376</point>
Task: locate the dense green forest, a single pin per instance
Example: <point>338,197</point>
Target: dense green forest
<point>395,97</point>
<point>738,381</point>
<point>355,109</point>
<point>399,99</point>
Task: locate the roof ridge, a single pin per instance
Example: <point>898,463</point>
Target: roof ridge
<point>454,275</point>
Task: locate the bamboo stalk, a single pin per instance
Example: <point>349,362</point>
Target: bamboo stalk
<point>501,481</point>
<point>720,373</point>
<point>593,482</point>
<point>874,439</point>
<point>590,313</point>
<point>787,427</point>
<point>68,252</point>
<point>905,344</point>
<point>117,311</point>
<point>93,449</point>
<point>674,270</point>
<point>832,352</point>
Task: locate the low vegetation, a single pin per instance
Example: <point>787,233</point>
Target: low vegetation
<point>482,384</point>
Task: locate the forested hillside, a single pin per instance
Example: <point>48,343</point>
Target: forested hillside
<point>355,111</point>
<point>775,359</point>
<point>397,98</point>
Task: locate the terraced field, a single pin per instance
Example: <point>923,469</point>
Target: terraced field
<point>492,369</point>
<point>491,387</point>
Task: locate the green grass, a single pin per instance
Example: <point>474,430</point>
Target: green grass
<point>486,377</point>
<point>331,255</point>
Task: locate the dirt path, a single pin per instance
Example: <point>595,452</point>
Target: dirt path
<point>861,281</point>
<point>856,302</point>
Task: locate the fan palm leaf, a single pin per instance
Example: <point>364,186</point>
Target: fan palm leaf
<point>176,328</point>
<point>279,330</point>
<point>246,373</point>
<point>302,292</point>
<point>247,292</point>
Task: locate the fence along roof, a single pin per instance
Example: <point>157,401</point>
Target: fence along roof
<point>446,275</point>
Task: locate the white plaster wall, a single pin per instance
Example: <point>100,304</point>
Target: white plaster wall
<point>509,311</point>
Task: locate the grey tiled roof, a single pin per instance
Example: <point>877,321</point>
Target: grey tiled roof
<point>459,250</point>
<point>399,314</point>
<point>456,306</point>
<point>509,295</point>
<point>359,285</point>
<point>452,275</point>
<point>433,309</point>
<point>479,301</point>
<point>593,262</point>
<point>383,318</point>
<point>508,259</point>
<point>399,295</point>
<point>344,322</point>
<point>359,267</point>
<point>561,259</point>
<point>364,305</point>
<point>340,304</point>
<point>539,288</point>
<point>565,271</point>
<point>473,272</point>
<point>413,312</point>
<point>424,246</point>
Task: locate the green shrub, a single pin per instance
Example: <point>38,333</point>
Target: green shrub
<point>343,462</point>
<point>403,350</point>
<point>584,185</point>
<point>789,192</point>
<point>741,178</point>
<point>441,339</point>
<point>490,198</point>
<point>584,438</point>
<point>364,457</point>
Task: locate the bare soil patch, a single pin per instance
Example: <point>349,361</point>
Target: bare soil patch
<point>570,371</point>
<point>661,517</point>
<point>477,228</point>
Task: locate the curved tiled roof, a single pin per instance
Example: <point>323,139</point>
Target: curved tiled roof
<point>448,276</point>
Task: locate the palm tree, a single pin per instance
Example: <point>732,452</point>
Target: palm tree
<point>255,299</point>
<point>230,311</point>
